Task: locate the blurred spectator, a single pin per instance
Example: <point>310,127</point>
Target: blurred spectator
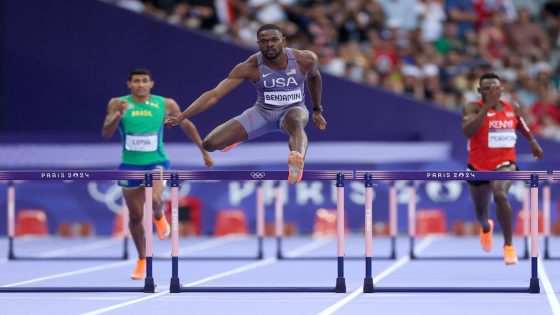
<point>432,50</point>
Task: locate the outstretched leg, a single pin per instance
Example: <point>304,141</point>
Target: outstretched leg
<point>481,198</point>
<point>294,124</point>
<point>224,135</point>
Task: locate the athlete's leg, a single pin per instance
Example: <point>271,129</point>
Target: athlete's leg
<point>224,135</point>
<point>294,124</point>
<point>500,190</point>
<point>163,227</point>
<point>480,193</point>
<point>481,199</point>
<point>134,198</point>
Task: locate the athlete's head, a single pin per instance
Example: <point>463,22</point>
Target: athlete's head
<point>271,41</point>
<point>487,82</point>
<point>140,82</point>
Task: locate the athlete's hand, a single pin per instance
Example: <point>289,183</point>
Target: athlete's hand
<point>538,152</point>
<point>319,121</point>
<point>122,106</point>
<point>208,162</point>
<point>170,121</point>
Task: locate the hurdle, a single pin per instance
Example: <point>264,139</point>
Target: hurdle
<point>11,204</point>
<point>370,176</point>
<point>86,175</point>
<point>279,230</point>
<point>412,206</point>
<point>339,176</point>
<point>546,215</point>
<point>259,210</point>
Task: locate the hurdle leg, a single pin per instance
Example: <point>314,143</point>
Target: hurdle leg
<point>412,218</point>
<point>546,219</point>
<point>11,219</point>
<point>368,233</point>
<point>175,285</point>
<point>340,280</point>
<point>393,219</point>
<point>149,285</point>
<point>260,220</point>
<point>534,286</point>
<point>279,219</point>
<point>526,224</point>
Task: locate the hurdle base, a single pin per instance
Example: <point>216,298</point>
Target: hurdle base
<point>11,255</point>
<point>149,285</point>
<point>452,290</point>
<point>340,285</point>
<point>534,285</point>
<point>368,285</point>
<point>175,286</point>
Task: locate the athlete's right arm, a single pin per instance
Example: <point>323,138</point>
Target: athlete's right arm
<point>115,111</point>
<point>239,73</point>
<point>473,116</point>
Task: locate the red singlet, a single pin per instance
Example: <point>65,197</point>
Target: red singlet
<point>494,143</point>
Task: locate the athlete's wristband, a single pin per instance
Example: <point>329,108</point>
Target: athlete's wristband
<point>318,109</point>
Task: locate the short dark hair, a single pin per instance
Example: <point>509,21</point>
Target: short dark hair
<point>139,71</point>
<point>488,75</point>
<point>267,27</point>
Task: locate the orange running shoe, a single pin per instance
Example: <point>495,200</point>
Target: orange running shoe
<point>510,257</point>
<point>486,238</point>
<point>162,226</point>
<point>295,166</point>
<point>140,270</point>
<point>229,147</point>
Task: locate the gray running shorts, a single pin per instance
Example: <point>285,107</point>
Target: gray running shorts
<point>258,121</point>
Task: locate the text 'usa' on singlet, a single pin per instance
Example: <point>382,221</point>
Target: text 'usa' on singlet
<point>141,131</point>
<point>279,88</point>
<point>494,143</point>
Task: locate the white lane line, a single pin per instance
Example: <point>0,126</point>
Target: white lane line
<point>209,244</point>
<point>78,248</point>
<point>247,267</point>
<point>92,269</point>
<point>550,294</point>
<point>392,268</point>
<point>70,273</point>
<point>307,248</point>
<point>121,305</point>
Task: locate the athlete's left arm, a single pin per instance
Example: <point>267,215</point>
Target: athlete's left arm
<point>173,109</point>
<point>315,85</point>
<point>523,129</point>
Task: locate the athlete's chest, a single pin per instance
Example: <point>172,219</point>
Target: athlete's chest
<point>500,119</point>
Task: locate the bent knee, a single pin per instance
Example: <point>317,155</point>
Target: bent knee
<point>209,145</point>
<point>500,197</point>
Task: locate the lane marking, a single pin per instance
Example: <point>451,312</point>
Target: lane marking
<point>392,268</point>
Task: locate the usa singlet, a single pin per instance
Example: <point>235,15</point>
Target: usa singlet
<point>494,143</point>
<point>279,88</point>
<point>141,131</point>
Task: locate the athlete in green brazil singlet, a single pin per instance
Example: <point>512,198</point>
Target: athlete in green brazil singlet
<point>141,131</point>
<point>139,119</point>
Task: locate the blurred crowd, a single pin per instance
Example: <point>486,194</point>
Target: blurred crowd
<point>430,50</point>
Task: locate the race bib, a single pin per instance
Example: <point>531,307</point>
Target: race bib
<point>141,143</point>
<point>282,98</point>
<point>505,138</point>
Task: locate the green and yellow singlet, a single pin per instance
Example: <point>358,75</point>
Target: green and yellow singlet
<point>141,130</point>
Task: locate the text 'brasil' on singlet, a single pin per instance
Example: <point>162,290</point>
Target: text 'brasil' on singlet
<point>278,88</point>
<point>494,143</point>
<point>141,131</point>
